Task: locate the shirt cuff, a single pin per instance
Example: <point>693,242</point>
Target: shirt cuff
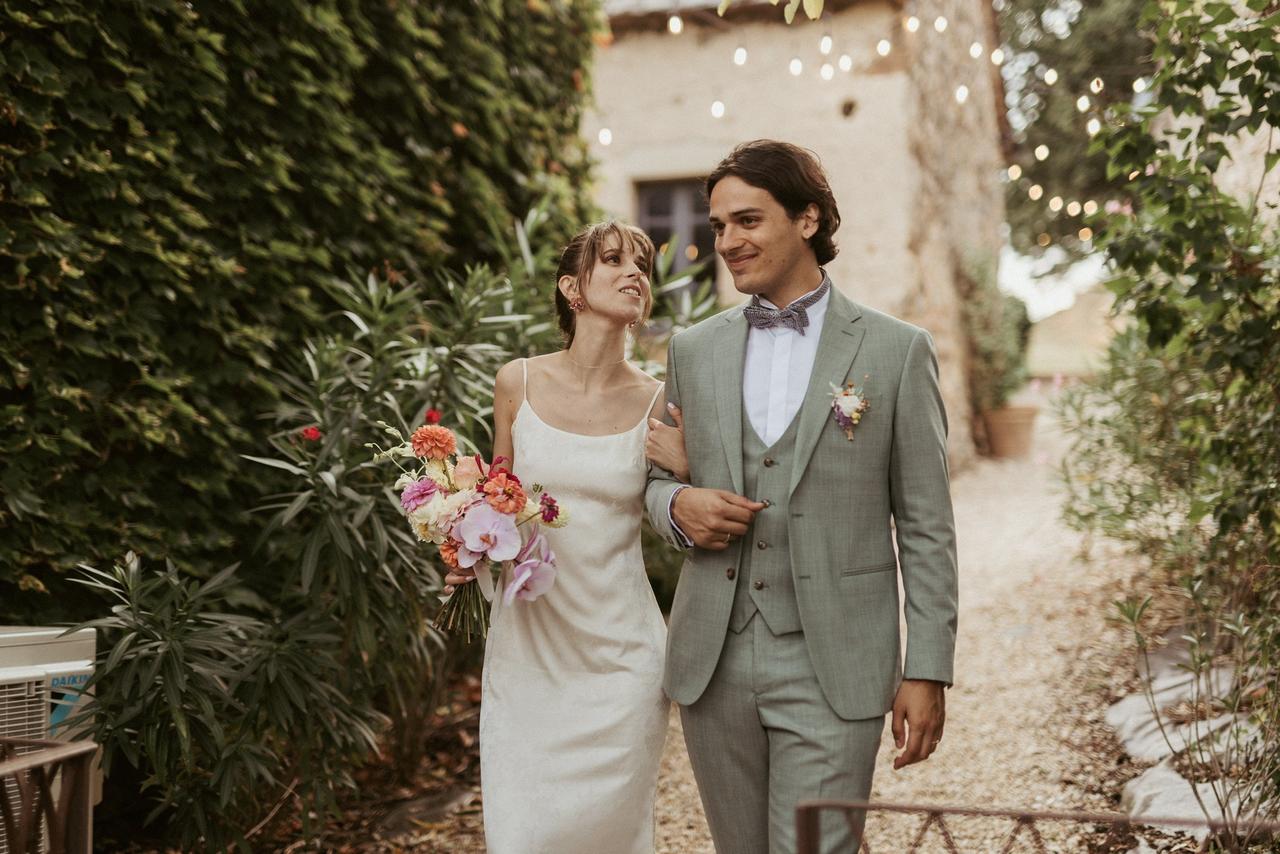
<point>682,539</point>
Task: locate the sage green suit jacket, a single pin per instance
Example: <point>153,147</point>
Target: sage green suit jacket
<point>848,497</point>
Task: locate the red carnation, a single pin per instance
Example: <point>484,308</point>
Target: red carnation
<point>432,416</point>
<point>311,434</point>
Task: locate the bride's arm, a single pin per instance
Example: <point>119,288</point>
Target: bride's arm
<point>508,394</point>
<point>508,391</point>
<point>664,444</point>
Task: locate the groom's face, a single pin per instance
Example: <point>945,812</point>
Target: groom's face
<point>763,247</point>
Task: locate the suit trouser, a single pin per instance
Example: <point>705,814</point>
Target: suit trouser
<point>762,737</point>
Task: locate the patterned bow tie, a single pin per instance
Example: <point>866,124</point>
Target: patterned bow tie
<point>795,316</point>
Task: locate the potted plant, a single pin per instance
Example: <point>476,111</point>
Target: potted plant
<point>999,331</point>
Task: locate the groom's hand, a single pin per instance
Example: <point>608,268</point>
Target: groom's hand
<point>713,517</point>
<point>919,713</point>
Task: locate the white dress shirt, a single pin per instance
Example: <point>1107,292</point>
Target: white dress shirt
<point>775,376</point>
<point>776,372</point>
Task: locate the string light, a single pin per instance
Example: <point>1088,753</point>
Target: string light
<point>827,71</point>
<point>1093,126</point>
<point>797,67</point>
<point>605,136</point>
<point>846,62</point>
<point>1051,77</point>
<point>883,47</point>
<point>1082,103</point>
<point>940,24</point>
<point>1095,85</point>
<point>1055,204</point>
<point>1085,234</point>
<point>1015,172</point>
<point>691,252</point>
<point>824,47</point>
<point>1035,192</point>
<point>1090,207</point>
<point>1044,239</point>
<point>717,109</point>
<point>975,50</point>
<point>740,56</point>
<point>997,57</point>
<point>913,24</point>
<point>1073,209</point>
<point>675,24</point>
<point>962,93</point>
<point>1140,85</point>
<point>1042,152</point>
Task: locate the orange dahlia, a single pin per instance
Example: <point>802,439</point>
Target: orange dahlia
<point>449,553</point>
<point>433,442</point>
<point>504,494</point>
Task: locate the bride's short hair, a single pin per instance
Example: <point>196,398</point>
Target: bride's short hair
<point>579,258</point>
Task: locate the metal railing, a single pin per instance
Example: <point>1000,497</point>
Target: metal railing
<point>51,783</point>
<point>1025,825</point>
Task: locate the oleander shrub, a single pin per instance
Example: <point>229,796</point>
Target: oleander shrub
<point>177,180</point>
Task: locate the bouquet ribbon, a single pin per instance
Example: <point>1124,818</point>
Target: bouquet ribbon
<point>484,578</point>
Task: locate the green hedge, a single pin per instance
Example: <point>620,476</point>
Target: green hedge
<point>175,177</point>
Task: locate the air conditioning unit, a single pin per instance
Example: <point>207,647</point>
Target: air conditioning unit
<point>42,674</point>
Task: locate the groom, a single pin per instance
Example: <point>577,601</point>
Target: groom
<point>783,651</point>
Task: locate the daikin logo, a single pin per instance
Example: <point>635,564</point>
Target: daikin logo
<point>73,680</point>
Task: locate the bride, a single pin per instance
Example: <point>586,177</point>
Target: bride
<point>572,716</point>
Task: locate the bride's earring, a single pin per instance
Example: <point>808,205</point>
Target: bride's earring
<point>632,325</point>
<point>576,304</point>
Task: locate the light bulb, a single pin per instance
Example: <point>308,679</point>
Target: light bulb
<point>675,24</point>
<point>717,109</point>
<point>913,24</point>
<point>797,67</point>
<point>1042,152</point>
<point>1015,172</point>
<point>605,136</point>
<point>740,56</point>
<point>883,47</point>
<point>824,46</point>
<point>962,93</point>
<point>846,62</point>
<point>997,56</point>
<point>975,50</point>
<point>940,24</point>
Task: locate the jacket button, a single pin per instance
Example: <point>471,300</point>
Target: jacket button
<point>730,573</point>
<point>759,585</point>
<point>770,462</point>
<point>762,545</point>
<point>766,502</point>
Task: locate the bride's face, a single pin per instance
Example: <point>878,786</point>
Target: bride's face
<point>618,287</point>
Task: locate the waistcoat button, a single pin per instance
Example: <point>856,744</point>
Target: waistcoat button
<point>730,573</point>
<point>766,502</point>
<point>762,545</point>
<point>759,585</point>
<point>770,462</point>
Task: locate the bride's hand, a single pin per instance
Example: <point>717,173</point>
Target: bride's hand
<point>457,577</point>
<point>664,445</point>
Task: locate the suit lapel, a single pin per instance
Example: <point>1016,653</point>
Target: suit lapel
<point>730,355</point>
<point>837,348</point>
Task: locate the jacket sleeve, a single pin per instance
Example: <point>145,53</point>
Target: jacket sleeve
<point>920,496</point>
<point>662,485</point>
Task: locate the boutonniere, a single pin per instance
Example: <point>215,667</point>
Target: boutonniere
<point>847,406</point>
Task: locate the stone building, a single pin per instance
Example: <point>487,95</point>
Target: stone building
<point>902,103</point>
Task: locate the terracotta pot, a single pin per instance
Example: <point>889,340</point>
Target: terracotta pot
<point>1009,430</point>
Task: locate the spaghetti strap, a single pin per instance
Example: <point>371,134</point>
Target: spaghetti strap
<point>657,391</point>
<point>524,387</point>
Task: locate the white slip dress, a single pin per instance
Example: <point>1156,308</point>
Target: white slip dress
<point>573,717</point>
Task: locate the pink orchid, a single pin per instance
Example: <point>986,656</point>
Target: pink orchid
<point>486,533</point>
<point>534,572</point>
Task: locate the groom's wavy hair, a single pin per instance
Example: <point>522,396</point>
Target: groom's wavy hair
<point>792,175</point>
<point>579,258</point>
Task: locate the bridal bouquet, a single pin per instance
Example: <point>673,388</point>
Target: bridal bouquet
<point>472,511</point>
